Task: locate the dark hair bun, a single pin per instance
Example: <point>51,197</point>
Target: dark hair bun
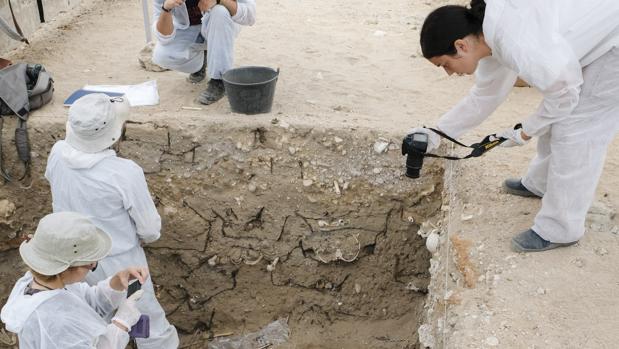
<point>478,9</point>
<point>449,23</point>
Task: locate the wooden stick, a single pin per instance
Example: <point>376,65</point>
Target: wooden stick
<point>223,334</point>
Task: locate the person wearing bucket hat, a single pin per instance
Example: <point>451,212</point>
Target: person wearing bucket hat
<point>87,176</point>
<point>184,28</point>
<point>50,306</point>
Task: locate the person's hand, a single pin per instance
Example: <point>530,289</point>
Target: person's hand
<point>434,140</point>
<point>206,5</point>
<point>128,313</point>
<point>120,281</point>
<point>515,137</point>
<point>170,4</point>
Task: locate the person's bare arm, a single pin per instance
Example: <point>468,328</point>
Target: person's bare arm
<point>230,5</point>
<point>165,25</point>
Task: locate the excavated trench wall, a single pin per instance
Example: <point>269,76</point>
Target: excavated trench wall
<point>260,223</point>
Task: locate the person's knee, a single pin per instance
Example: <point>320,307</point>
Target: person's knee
<point>220,14</point>
<point>219,24</point>
<point>169,59</point>
<point>220,17</point>
<point>160,57</point>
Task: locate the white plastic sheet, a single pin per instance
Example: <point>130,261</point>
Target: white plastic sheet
<point>142,94</point>
<point>273,334</point>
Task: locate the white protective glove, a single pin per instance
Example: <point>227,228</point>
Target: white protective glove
<point>434,140</point>
<point>128,313</point>
<point>514,137</point>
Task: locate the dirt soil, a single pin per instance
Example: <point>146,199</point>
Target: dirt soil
<point>357,67</point>
<point>268,223</point>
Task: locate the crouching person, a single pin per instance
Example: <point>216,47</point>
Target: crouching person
<point>86,176</point>
<point>50,306</point>
<point>195,34</point>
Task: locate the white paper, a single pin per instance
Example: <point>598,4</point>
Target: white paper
<point>138,95</point>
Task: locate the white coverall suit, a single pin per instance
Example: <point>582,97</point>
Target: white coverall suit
<point>183,50</point>
<point>112,192</point>
<point>70,317</point>
<point>569,51</point>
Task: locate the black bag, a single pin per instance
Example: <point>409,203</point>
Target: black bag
<point>23,88</point>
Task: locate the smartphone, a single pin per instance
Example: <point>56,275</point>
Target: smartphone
<point>134,286</point>
<point>142,328</point>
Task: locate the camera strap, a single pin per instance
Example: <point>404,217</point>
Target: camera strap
<point>479,149</point>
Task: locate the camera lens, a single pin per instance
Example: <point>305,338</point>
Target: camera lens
<point>414,147</point>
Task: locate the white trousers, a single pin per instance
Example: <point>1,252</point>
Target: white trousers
<point>570,156</point>
<point>162,334</point>
<point>186,51</point>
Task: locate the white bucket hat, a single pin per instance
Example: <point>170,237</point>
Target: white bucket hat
<point>63,240</point>
<point>96,122</point>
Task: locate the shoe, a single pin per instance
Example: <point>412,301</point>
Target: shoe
<point>214,91</point>
<point>198,76</point>
<point>529,241</point>
<point>514,186</point>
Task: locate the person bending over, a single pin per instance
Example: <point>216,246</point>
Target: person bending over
<point>569,51</point>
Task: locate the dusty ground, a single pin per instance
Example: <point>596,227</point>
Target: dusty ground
<point>357,65</point>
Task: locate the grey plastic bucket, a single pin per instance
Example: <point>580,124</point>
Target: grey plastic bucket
<point>250,90</point>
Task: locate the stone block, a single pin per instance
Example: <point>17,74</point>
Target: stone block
<point>147,133</point>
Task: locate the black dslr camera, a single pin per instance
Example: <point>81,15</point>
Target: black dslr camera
<point>414,147</point>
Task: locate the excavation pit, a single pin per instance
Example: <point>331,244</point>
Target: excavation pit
<point>316,227</point>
